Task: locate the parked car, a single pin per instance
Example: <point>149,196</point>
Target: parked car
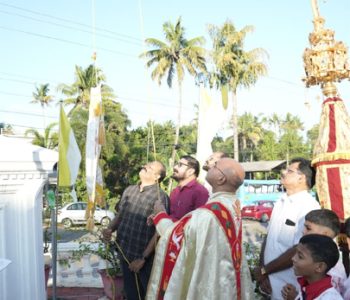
<point>253,190</point>
<point>74,214</point>
<point>259,210</point>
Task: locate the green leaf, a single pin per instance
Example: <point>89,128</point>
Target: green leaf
<point>224,96</point>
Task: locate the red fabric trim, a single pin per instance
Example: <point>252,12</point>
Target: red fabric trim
<point>335,191</point>
<point>228,225</point>
<point>160,216</point>
<point>335,99</point>
<point>172,253</point>
<point>332,137</point>
<point>315,289</point>
<point>333,162</point>
<point>175,243</point>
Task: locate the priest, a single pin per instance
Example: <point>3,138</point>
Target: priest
<point>201,255</point>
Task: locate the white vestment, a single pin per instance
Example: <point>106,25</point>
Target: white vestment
<point>204,267</point>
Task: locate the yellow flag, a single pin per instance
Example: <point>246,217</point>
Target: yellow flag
<point>69,153</point>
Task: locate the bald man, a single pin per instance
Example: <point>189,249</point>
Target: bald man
<point>212,159</point>
<point>201,256</point>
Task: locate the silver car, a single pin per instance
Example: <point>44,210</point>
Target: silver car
<point>74,214</point>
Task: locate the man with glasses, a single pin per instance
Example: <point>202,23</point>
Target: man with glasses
<point>212,159</point>
<point>201,255</point>
<point>286,228</point>
<point>210,162</point>
<point>189,193</point>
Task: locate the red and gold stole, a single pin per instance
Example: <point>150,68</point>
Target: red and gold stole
<point>175,241</point>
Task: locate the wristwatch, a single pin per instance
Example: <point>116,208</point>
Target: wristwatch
<point>263,271</point>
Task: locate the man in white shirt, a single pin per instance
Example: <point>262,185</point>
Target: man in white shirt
<point>286,228</point>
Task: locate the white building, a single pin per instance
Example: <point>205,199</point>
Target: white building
<point>24,170</point>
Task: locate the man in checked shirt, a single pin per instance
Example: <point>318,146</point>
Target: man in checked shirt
<point>135,237</point>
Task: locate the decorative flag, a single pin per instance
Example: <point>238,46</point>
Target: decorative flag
<point>94,140</point>
<point>332,158</point>
<point>211,117</point>
<point>69,153</point>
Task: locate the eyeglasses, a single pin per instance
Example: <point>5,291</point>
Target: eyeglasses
<point>180,164</point>
<point>217,168</point>
<point>291,171</point>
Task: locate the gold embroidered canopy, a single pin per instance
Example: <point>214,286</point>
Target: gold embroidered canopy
<point>326,62</point>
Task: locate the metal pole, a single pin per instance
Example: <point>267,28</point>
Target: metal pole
<point>53,205</point>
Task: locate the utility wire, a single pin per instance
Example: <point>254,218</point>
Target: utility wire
<point>74,28</point>
<point>70,21</point>
<point>66,41</point>
<point>27,114</point>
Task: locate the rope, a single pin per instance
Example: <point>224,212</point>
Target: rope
<point>128,262</point>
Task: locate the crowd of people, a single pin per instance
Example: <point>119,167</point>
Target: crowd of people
<point>189,245</point>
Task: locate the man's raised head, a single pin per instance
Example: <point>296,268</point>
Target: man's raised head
<point>226,175</point>
<point>152,172</point>
<point>298,176</point>
<point>212,159</point>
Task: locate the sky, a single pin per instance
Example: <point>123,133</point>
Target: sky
<point>42,41</point>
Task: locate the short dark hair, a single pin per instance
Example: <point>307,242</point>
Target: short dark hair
<point>192,163</point>
<point>322,248</point>
<point>324,217</point>
<point>306,168</point>
<point>162,172</point>
<point>347,227</point>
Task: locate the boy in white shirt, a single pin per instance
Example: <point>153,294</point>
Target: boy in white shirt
<point>315,255</point>
<point>326,222</point>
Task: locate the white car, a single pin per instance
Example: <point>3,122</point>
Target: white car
<point>74,214</point>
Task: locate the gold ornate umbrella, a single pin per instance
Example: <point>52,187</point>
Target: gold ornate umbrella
<point>325,63</point>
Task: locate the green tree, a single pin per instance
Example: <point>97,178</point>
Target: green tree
<point>47,140</point>
<point>312,135</point>
<point>268,148</point>
<point>275,121</point>
<point>291,142</point>
<point>78,93</point>
<point>233,66</point>
<point>174,57</point>
<point>41,96</point>
<point>140,143</point>
<point>249,134</point>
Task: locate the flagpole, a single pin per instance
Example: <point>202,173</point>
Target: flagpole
<point>54,226</point>
<point>54,243</point>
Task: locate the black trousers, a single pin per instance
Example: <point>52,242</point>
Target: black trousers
<point>130,287</point>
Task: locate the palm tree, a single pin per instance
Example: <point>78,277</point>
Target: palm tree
<point>78,93</point>
<point>249,133</point>
<point>275,122</point>
<point>41,96</point>
<point>48,140</point>
<point>233,66</point>
<point>292,123</point>
<point>175,56</point>
<point>291,141</point>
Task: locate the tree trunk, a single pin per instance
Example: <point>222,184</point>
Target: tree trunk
<point>235,126</point>
<point>177,134</point>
